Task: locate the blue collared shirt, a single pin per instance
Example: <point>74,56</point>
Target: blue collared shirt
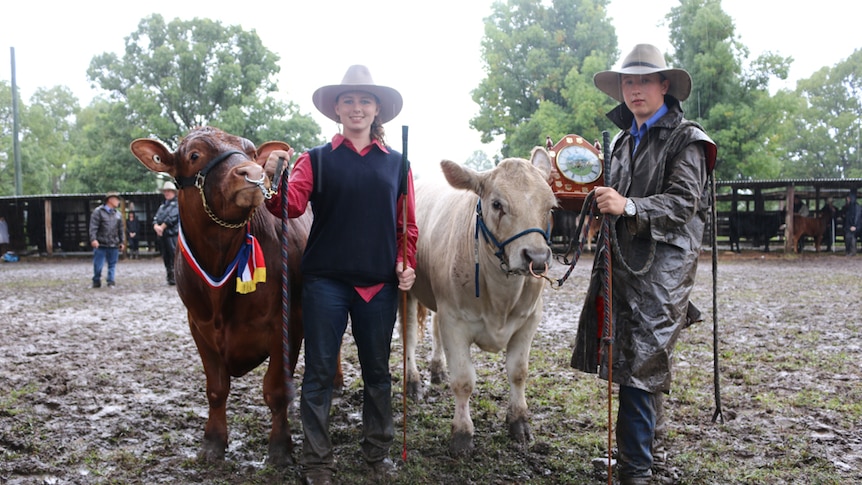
<point>640,133</point>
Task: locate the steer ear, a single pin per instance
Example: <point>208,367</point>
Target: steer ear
<point>154,155</point>
<point>266,148</point>
<point>540,159</point>
<point>459,176</point>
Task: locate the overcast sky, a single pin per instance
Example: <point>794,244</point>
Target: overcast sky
<point>432,56</point>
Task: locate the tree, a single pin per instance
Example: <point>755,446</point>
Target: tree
<point>536,57</point>
<point>102,158</point>
<point>829,127</point>
<point>47,128</point>
<point>177,76</point>
<point>7,156</point>
<point>479,161</point>
<point>734,105</point>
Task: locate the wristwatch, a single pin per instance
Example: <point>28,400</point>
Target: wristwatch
<point>630,209</point>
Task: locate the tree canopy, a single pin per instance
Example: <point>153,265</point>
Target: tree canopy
<point>539,59</point>
<point>180,75</point>
<point>172,77</point>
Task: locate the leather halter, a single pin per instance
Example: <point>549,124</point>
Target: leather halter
<point>501,246</point>
<point>199,179</point>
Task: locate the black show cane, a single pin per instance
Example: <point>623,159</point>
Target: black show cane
<point>404,163</point>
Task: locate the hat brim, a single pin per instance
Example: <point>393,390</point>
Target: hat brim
<point>389,100</point>
<point>608,82</point>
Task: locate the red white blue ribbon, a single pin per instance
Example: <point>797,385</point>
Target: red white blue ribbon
<point>248,264</point>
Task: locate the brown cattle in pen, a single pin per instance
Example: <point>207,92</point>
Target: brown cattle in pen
<point>236,325</point>
<point>810,226</point>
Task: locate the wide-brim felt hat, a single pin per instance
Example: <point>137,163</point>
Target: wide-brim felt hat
<point>644,59</point>
<point>358,78</point>
<point>169,186</point>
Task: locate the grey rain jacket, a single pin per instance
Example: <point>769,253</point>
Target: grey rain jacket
<point>169,213</point>
<point>672,210</point>
<point>106,227</point>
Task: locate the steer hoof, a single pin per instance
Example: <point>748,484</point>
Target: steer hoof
<point>280,454</point>
<point>438,373</point>
<point>461,444</point>
<point>212,451</point>
<point>519,430</point>
<point>415,390</point>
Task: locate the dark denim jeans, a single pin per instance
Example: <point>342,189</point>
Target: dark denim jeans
<point>326,305</point>
<point>635,432</point>
<point>100,255</point>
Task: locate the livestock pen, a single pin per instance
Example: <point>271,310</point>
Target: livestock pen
<point>56,224</point>
<point>747,200</point>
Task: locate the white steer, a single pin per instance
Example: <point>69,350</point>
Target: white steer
<point>482,239</point>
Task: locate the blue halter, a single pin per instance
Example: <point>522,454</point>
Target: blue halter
<point>501,246</point>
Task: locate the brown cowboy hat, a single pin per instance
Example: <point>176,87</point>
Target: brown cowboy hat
<point>358,78</point>
<point>644,59</point>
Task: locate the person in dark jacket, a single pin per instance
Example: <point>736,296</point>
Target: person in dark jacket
<point>106,238</point>
<point>133,232</point>
<point>657,199</point>
<point>353,265</point>
<point>829,233</point>
<point>852,223</point>
<point>166,223</point>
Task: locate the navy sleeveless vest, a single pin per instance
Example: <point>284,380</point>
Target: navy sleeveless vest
<point>353,236</point>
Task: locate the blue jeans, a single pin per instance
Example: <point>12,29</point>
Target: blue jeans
<point>635,432</point>
<point>100,254</point>
<point>326,305</point>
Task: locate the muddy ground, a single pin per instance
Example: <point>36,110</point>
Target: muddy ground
<point>105,386</point>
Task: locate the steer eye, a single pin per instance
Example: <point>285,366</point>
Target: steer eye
<point>194,156</point>
<point>497,205</point>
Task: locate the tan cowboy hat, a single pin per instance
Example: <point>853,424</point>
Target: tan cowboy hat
<point>112,194</point>
<point>644,59</point>
<point>358,78</point>
<point>169,186</point>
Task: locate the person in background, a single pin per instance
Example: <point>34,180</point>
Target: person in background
<point>106,238</point>
<point>658,202</point>
<point>4,236</point>
<point>801,208</point>
<point>852,223</point>
<point>829,232</point>
<point>356,186</point>
<point>166,223</point>
<point>133,232</point>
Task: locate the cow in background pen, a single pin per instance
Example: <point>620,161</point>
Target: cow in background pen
<point>757,227</point>
<point>810,226</point>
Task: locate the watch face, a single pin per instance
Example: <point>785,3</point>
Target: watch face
<point>579,164</point>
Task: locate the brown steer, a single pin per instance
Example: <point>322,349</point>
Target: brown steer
<point>221,190</point>
<point>810,226</point>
